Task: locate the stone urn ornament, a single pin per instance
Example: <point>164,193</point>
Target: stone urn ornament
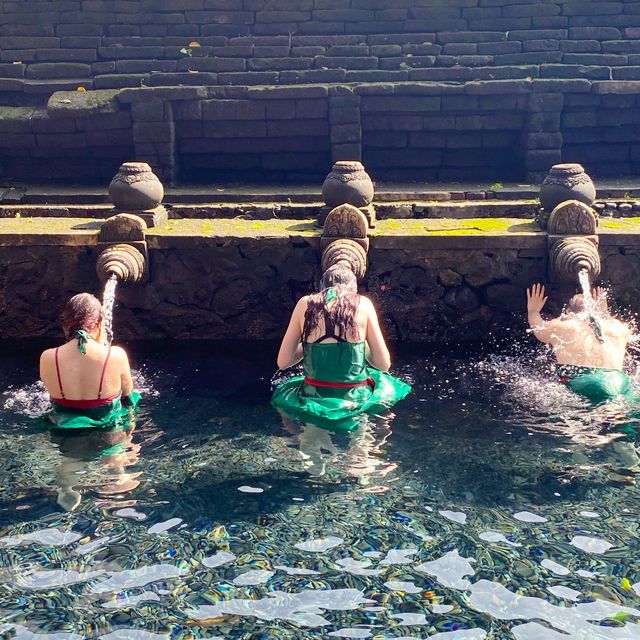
<point>347,183</point>
<point>135,188</point>
<point>566,182</point>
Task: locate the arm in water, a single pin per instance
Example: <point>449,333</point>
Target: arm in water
<point>291,348</point>
<point>551,332</point>
<point>377,352</point>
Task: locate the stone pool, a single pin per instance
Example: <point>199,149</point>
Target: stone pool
<point>489,504</point>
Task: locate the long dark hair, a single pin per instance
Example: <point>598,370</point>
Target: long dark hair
<point>343,313</point>
<point>83,311</point>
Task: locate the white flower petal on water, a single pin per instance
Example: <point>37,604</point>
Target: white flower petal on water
<point>450,569</point>
<point>527,516</point>
<point>564,592</point>
<point>245,488</point>
<point>161,527</point>
<point>218,559</point>
<point>319,544</point>
<point>589,514</point>
<point>408,619</point>
<point>556,567</point>
<point>253,577</point>
<point>398,556</point>
<point>399,585</point>
<point>454,516</point>
<point>495,536</point>
<point>351,632</point>
<point>591,545</point>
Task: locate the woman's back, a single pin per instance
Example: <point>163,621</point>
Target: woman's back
<point>68,373</point>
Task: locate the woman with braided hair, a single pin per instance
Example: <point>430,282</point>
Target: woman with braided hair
<point>344,357</point>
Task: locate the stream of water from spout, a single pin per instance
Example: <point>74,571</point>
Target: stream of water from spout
<point>108,299</point>
<point>585,285</point>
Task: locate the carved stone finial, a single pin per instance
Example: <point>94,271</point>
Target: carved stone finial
<point>570,255</point>
<point>572,218</point>
<point>123,227</point>
<point>347,182</point>
<point>346,221</point>
<point>135,188</point>
<point>348,252</point>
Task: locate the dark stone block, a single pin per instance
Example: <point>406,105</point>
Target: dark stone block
<point>279,64</point>
<point>211,64</point>
<point>580,46</point>
<point>626,73</point>
<point>579,119</point>
<point>98,68</point>
<point>150,111</point>
<point>388,140</point>
<point>61,140</point>
<point>233,110</point>
<point>12,70</point>
<point>22,55</point>
<point>279,17</point>
<point>540,45</point>
<point>425,139</point>
<point>488,87</point>
<point>313,76</point>
<point>544,121</point>
<point>492,48</point>
<point>280,110</point>
<point>345,63</point>
<point>542,160</point>
<point>595,33</point>
<point>28,42</point>
<point>173,79</point>
<point>117,81</point>
<point>599,8</point>
<point>400,105</point>
<point>320,127</point>
<point>576,85</point>
<point>601,59</point>
<point>53,70</point>
<point>342,133</point>
<point>104,122</point>
<point>533,57</point>
<point>305,109</point>
<point>284,93</point>
<point>530,10</point>
<point>544,140</point>
<point>546,102</point>
<point>574,71</point>
<point>145,66</point>
<point>234,129</point>
<point>344,116</point>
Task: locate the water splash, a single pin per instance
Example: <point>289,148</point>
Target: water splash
<point>108,299</point>
<point>585,285</point>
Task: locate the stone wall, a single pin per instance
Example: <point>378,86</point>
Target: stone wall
<point>228,47</point>
<point>460,289</point>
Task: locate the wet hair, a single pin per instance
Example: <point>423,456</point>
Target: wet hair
<point>83,311</point>
<point>342,314</point>
<point>576,304</point>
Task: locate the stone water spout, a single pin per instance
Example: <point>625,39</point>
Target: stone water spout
<point>344,239</point>
<point>122,249</point>
<point>573,242</point>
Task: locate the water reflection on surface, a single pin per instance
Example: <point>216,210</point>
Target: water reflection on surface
<point>489,504</point>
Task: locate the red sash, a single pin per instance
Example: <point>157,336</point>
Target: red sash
<point>340,385</point>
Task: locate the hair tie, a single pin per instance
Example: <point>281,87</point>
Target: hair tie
<point>330,295</point>
<point>83,337</point>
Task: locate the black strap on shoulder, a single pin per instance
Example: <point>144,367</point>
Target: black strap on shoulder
<point>329,329</point>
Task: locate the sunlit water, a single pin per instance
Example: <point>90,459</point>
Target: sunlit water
<point>491,503</point>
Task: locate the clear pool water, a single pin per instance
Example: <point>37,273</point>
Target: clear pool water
<point>489,504</point>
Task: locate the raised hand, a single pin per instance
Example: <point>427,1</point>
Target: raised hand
<point>536,298</point>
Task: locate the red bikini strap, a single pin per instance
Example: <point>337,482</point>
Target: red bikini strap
<point>58,372</point>
<point>104,369</point>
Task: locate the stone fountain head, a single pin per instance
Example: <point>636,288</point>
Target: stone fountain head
<point>122,249</point>
<point>573,242</point>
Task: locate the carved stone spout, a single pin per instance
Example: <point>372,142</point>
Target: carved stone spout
<point>123,261</point>
<point>571,255</point>
<point>347,252</point>
<point>122,249</point>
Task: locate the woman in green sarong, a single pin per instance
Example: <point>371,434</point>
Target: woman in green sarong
<point>89,382</point>
<point>344,357</point>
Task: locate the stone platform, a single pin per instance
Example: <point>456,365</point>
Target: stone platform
<point>432,279</point>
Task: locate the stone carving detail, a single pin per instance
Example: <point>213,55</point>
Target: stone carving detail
<point>566,182</point>
<point>135,188</point>
<point>570,255</point>
<point>346,221</point>
<point>123,260</point>
<point>123,227</point>
<point>572,217</point>
<point>348,183</point>
<point>347,252</point>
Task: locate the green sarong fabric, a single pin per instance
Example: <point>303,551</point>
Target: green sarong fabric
<point>341,362</point>
<point>597,385</point>
<point>115,415</point>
